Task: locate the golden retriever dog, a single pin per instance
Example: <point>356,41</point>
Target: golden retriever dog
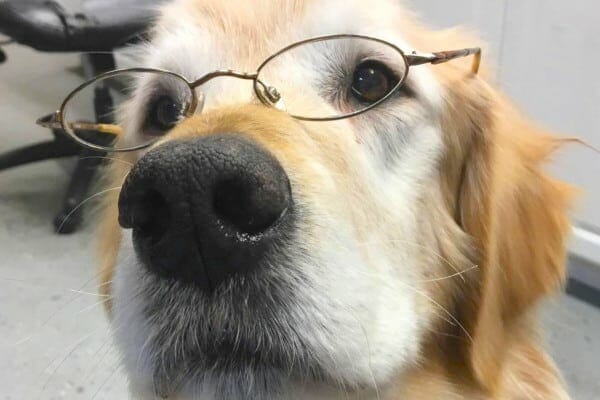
<point>398,253</point>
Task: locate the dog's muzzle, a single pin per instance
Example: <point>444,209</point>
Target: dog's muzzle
<point>205,209</point>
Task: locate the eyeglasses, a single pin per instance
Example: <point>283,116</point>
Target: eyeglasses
<point>355,73</point>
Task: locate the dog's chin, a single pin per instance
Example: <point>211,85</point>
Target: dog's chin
<point>233,371</point>
<point>232,364</point>
<point>237,339</point>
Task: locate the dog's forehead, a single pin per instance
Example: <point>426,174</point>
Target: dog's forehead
<point>240,34</point>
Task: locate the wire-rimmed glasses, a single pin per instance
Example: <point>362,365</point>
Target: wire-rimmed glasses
<point>318,62</point>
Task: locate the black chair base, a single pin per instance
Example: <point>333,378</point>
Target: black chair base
<point>96,29</point>
<point>69,218</point>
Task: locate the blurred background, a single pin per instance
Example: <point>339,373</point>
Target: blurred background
<point>54,341</point>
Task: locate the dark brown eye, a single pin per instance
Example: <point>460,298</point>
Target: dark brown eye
<point>162,115</point>
<point>372,81</point>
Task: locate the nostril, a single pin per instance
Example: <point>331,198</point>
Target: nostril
<point>203,210</point>
<point>250,207</point>
<point>150,215</point>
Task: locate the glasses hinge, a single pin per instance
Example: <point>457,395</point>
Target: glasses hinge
<point>50,121</point>
<point>415,58</point>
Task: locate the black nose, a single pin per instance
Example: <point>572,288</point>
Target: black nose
<point>204,209</point>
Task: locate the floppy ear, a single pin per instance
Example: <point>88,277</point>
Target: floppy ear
<point>517,216</point>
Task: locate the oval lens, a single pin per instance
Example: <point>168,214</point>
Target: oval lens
<point>94,113</point>
<point>314,79</point>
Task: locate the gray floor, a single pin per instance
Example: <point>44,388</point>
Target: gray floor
<point>54,341</point>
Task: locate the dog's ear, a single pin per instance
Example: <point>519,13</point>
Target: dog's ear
<point>517,218</point>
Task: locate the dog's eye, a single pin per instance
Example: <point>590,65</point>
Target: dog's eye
<point>162,115</point>
<point>372,81</point>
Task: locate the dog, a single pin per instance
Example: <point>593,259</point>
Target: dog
<point>395,254</point>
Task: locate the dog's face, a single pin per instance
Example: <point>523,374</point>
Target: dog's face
<point>260,255</point>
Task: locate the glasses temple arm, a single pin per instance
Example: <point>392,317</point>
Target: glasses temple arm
<point>440,57</point>
<point>54,121</point>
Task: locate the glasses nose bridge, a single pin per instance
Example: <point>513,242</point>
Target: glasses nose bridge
<point>268,95</point>
<point>223,73</point>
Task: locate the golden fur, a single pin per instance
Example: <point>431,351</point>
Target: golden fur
<point>502,213</point>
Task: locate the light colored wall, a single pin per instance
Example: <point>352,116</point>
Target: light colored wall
<point>548,54</point>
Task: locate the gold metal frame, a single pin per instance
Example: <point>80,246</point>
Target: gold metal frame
<point>267,95</point>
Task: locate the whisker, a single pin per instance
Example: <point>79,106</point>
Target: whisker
<point>108,158</point>
<point>444,318</point>
<point>26,283</point>
<point>88,293</point>
<point>382,277</point>
<point>105,283</point>
<point>62,307</point>
<point>82,203</point>
<point>429,250</point>
<point>108,378</point>
<point>364,331</point>
<point>94,52</point>
<point>449,276</point>
<point>448,313</point>
<point>17,280</point>
<point>98,363</point>
<point>62,361</point>
<point>109,298</point>
<point>444,334</point>
<point>111,332</point>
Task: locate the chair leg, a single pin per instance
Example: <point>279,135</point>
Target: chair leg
<point>36,152</point>
<point>70,216</point>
